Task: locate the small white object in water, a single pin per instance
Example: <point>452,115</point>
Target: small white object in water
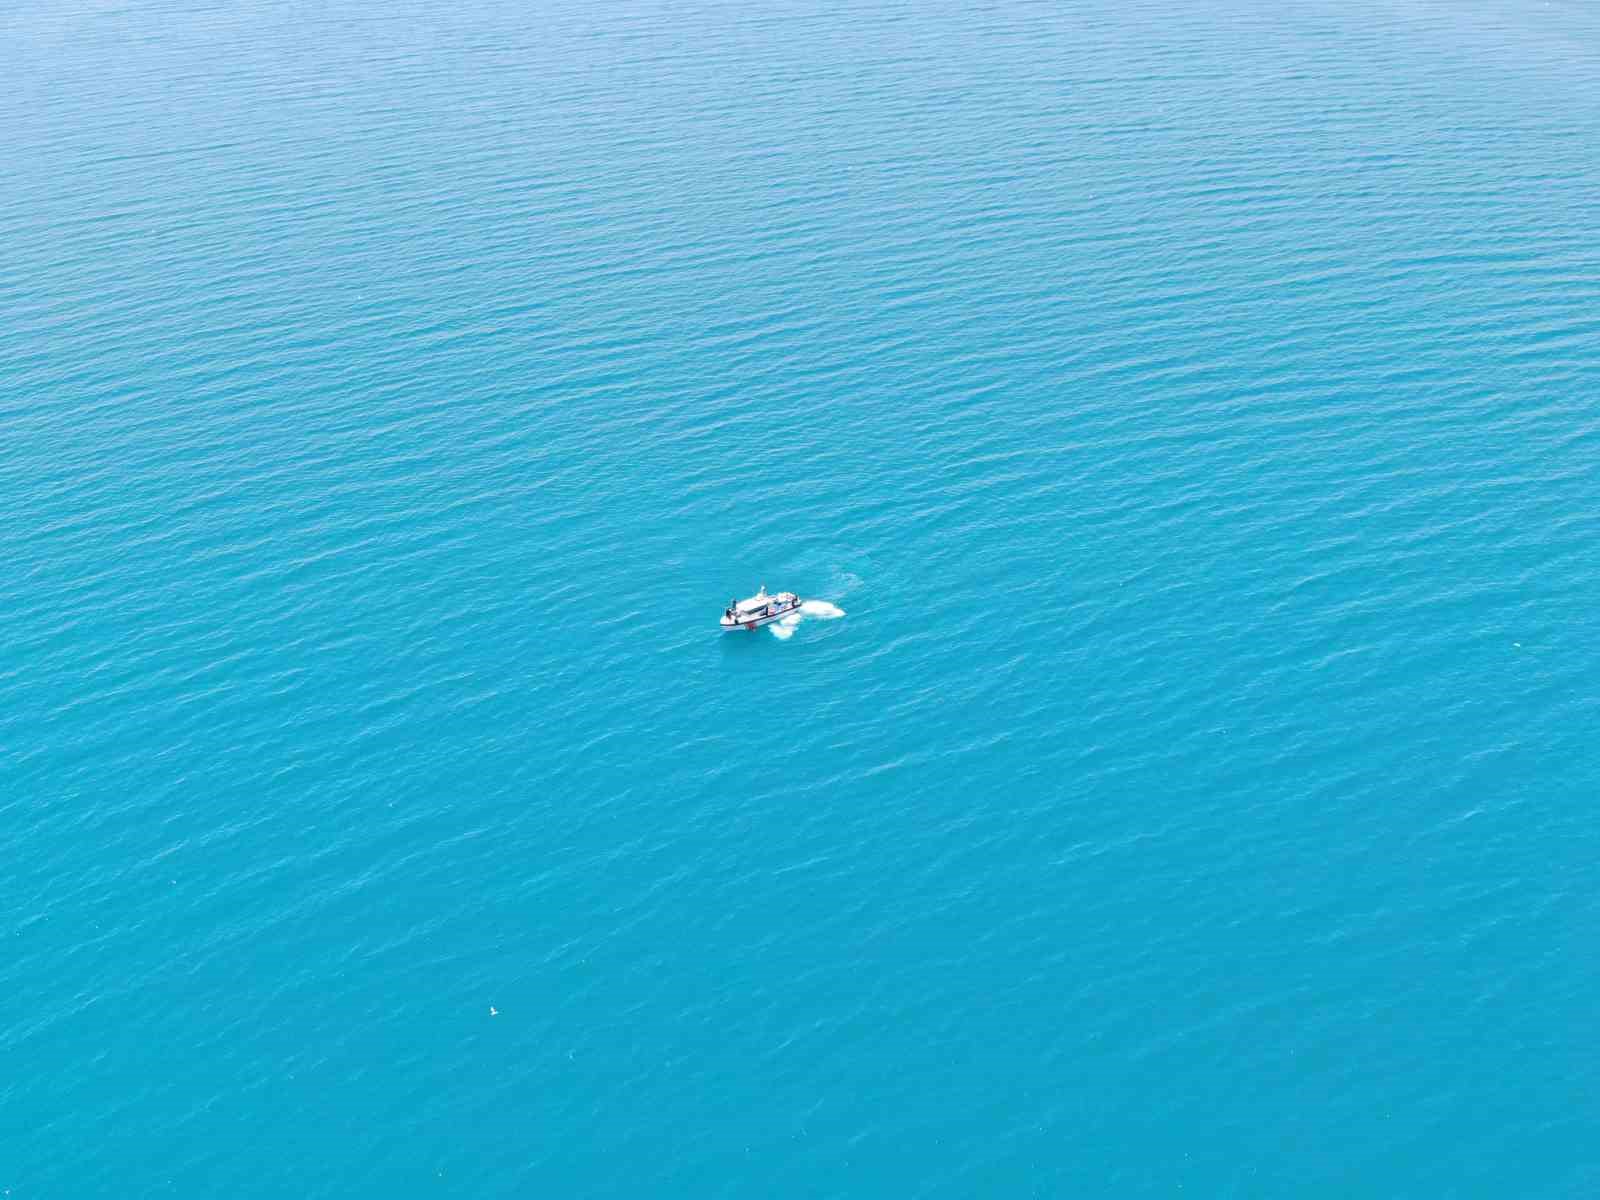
<point>493,1011</point>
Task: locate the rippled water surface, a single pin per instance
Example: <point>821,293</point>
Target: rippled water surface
<point>1191,406</point>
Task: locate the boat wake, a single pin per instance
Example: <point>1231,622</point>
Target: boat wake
<point>818,610</point>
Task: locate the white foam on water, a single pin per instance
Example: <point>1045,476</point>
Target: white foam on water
<point>783,628</point>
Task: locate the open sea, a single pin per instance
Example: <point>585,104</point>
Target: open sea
<point>1184,417</point>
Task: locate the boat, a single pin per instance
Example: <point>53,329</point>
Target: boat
<point>758,610</point>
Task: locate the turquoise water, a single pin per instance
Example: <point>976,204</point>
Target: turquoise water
<point>1190,406</point>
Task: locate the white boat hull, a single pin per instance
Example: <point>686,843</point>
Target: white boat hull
<point>756,622</point>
